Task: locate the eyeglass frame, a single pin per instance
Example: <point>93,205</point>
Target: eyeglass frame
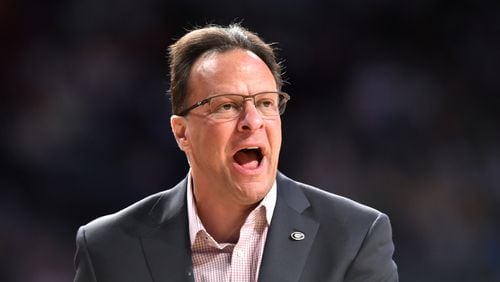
<point>286,97</point>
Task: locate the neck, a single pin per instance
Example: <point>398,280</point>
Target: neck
<point>222,220</point>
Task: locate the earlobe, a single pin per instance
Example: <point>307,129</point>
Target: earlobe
<point>179,129</point>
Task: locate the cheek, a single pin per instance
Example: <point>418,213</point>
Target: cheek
<point>214,139</point>
<point>274,134</point>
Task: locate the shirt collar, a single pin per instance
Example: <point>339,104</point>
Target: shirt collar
<point>195,224</point>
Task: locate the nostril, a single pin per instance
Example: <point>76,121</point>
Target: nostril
<point>250,120</point>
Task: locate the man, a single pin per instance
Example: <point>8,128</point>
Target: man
<point>234,217</point>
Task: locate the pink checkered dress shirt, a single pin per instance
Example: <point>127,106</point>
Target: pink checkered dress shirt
<point>238,262</point>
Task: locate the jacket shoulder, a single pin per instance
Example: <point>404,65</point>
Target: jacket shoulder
<point>139,217</point>
<point>321,200</point>
<point>137,210</point>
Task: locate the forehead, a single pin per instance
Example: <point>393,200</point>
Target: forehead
<point>236,71</point>
<point>238,59</point>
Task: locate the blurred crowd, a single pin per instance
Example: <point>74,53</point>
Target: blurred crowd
<point>394,104</point>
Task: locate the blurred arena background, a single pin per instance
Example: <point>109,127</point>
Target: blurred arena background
<point>394,104</point>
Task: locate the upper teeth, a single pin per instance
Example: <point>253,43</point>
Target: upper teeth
<point>252,148</point>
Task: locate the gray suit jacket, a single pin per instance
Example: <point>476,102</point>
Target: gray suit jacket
<point>149,241</point>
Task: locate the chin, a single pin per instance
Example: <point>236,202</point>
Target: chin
<point>253,192</point>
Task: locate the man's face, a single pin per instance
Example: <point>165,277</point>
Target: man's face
<point>235,160</point>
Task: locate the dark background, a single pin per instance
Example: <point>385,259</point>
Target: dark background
<point>394,104</point>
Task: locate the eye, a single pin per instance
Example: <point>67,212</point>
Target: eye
<point>266,103</point>
<point>225,107</point>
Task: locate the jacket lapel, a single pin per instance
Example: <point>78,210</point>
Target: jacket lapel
<point>284,257</point>
<point>166,245</point>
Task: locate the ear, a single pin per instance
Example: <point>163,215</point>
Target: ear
<point>180,131</point>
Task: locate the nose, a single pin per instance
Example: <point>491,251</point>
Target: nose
<point>251,118</point>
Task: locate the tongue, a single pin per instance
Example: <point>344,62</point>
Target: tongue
<point>247,159</point>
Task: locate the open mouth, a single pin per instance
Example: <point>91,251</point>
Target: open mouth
<point>249,158</point>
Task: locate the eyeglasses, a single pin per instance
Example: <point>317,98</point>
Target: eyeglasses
<point>229,106</point>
